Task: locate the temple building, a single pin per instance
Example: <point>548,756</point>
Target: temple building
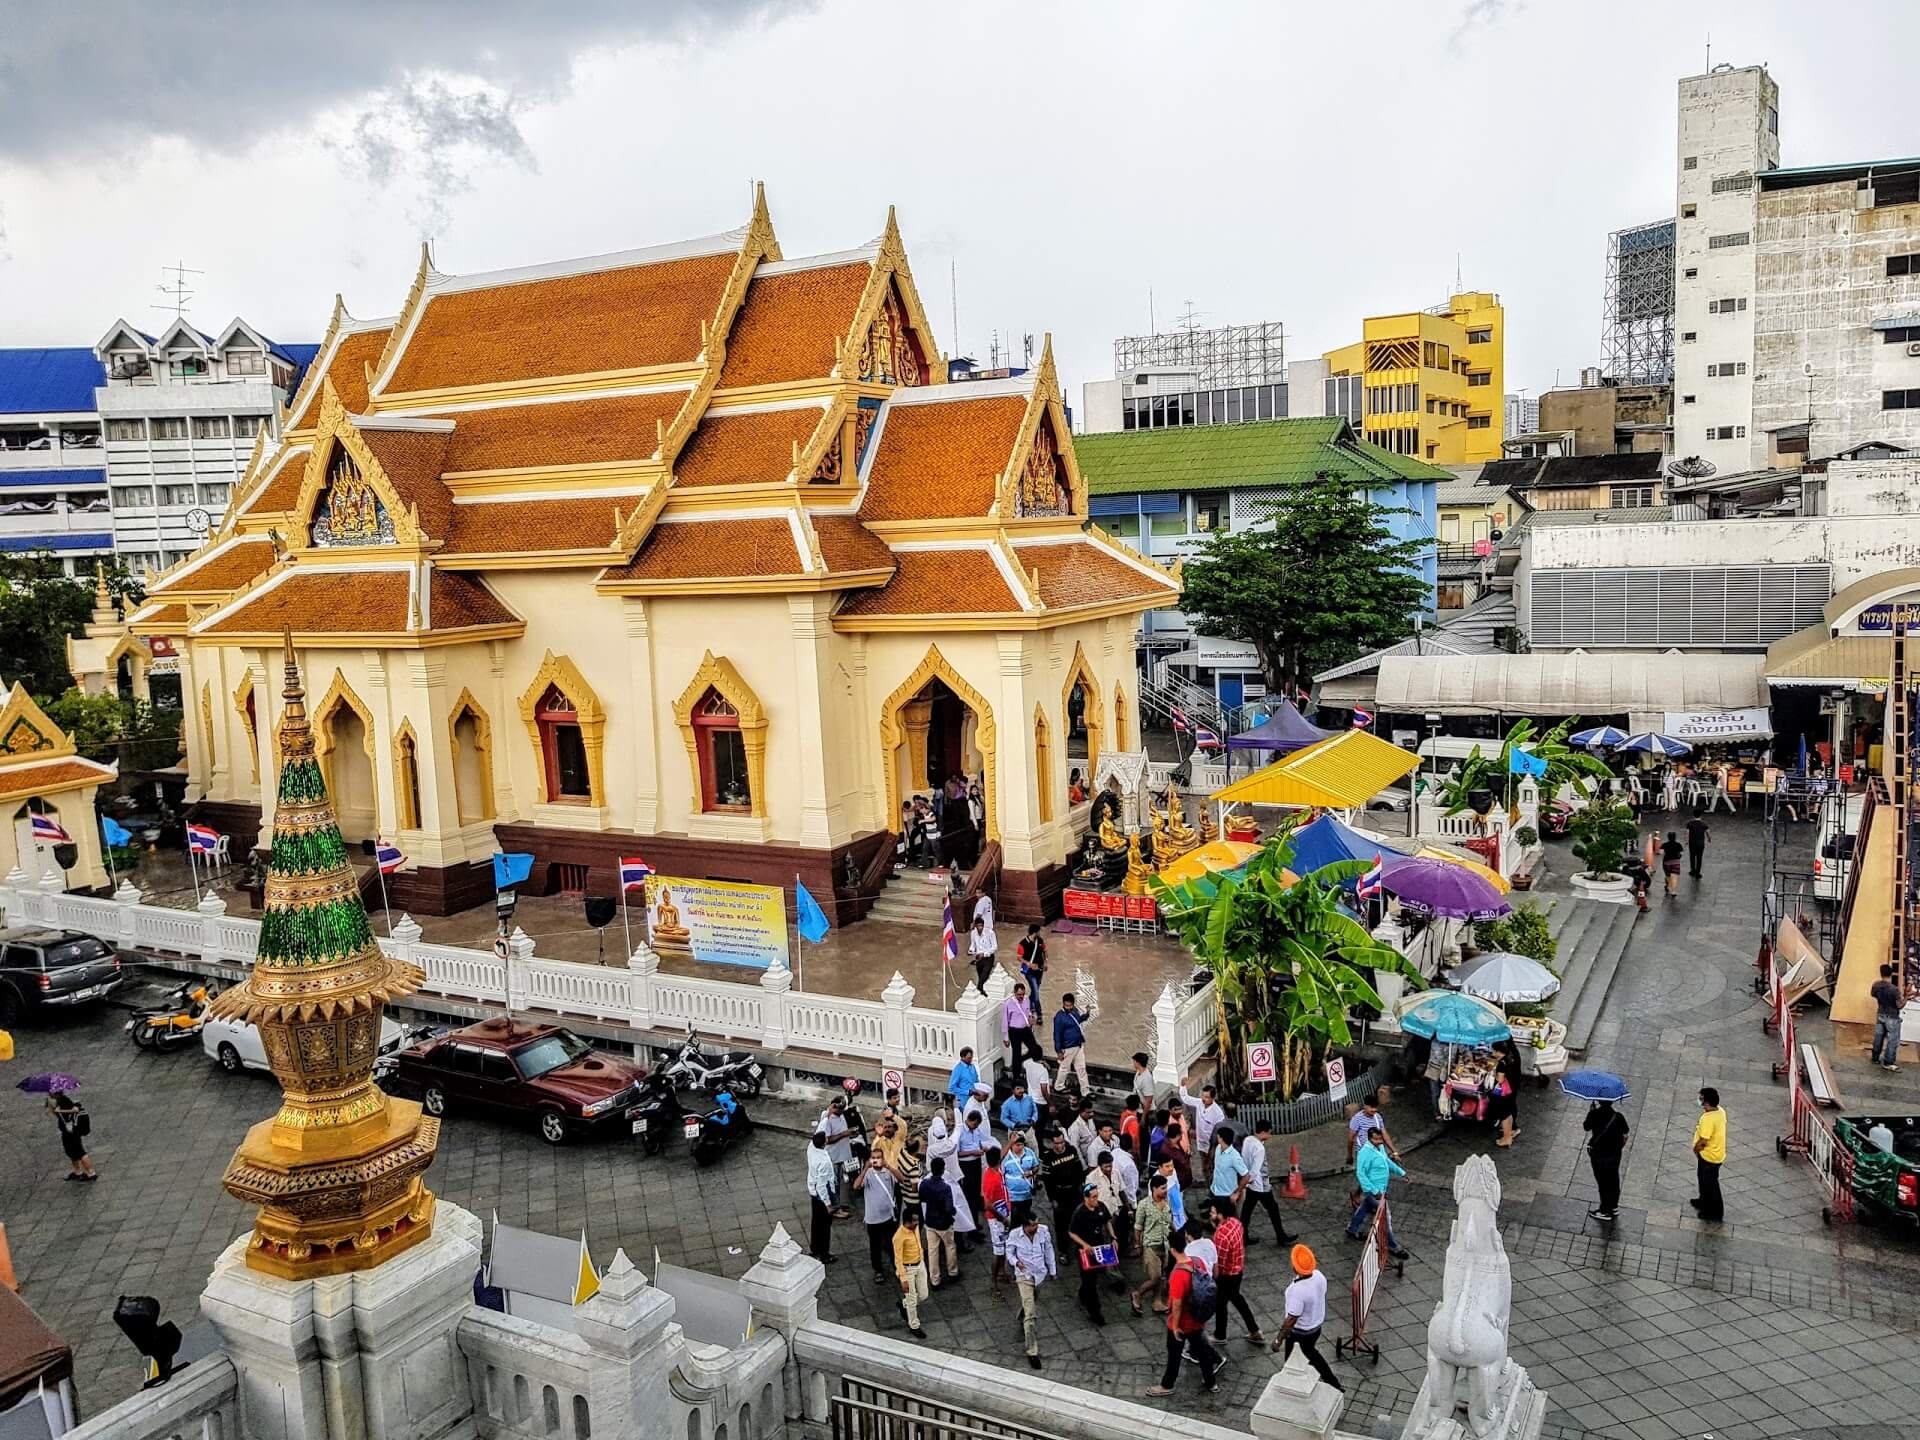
<point>688,552</point>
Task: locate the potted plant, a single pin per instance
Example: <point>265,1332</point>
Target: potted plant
<point>1601,834</point>
<point>1526,837</point>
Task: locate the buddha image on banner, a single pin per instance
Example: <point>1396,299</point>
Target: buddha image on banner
<point>719,922</point>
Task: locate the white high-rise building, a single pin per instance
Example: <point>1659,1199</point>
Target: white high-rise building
<point>1729,130</point>
<point>1523,415</point>
<point>180,413</point>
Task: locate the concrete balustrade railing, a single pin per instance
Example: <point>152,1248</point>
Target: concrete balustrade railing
<point>200,1403</point>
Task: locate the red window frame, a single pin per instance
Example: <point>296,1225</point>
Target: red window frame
<point>715,712</point>
<point>554,711</point>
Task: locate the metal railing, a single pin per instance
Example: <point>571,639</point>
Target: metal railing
<point>864,1411</point>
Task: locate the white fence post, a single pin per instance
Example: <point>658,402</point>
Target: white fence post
<point>211,910</point>
<point>1166,1041</point>
<point>520,948</point>
<point>126,900</point>
<point>775,982</point>
<point>973,1012</point>
<point>989,1046</point>
<point>893,1021</point>
<point>642,966</point>
<point>406,939</point>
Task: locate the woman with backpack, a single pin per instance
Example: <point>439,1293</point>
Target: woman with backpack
<point>75,1125</point>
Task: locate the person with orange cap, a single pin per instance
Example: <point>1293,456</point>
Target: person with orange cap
<point>1306,1313</point>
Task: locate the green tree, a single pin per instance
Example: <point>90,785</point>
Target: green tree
<point>1601,834</point>
<point>1288,961</point>
<point>1566,765</point>
<point>39,608</point>
<point>1326,581</point>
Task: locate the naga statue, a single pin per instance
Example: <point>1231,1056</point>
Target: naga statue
<point>1473,1387</point>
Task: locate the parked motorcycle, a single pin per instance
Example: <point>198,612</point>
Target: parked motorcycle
<point>659,1116</point>
<point>176,1023</point>
<point>718,1130</point>
<point>690,1069</point>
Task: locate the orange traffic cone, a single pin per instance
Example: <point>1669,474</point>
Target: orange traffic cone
<point>1296,1186</point>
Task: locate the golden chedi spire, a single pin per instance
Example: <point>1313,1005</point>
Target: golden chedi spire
<point>337,1171</point>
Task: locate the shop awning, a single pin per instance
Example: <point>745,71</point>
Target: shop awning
<point>1816,656</point>
<point>1348,770</point>
<point>1576,683</point>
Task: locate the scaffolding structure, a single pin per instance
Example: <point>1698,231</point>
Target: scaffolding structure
<point>1224,355</point>
<point>1636,344</point>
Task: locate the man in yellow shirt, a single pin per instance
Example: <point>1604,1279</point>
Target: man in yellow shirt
<point>1710,1151</point>
<point>908,1255</point>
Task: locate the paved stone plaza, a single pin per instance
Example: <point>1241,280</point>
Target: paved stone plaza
<point>1768,1325</point>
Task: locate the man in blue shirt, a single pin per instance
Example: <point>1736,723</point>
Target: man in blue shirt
<point>1373,1168</point>
<point>964,1077</point>
<point>970,1149</point>
<point>1018,1170</point>
<point>1069,1042</point>
<point>1018,1112</point>
<point>1229,1172</point>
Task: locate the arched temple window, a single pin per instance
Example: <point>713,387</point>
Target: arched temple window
<point>472,737</point>
<point>1043,764</point>
<point>406,777</point>
<point>725,783</point>
<point>563,749</point>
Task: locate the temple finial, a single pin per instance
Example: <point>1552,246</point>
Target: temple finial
<point>293,691</point>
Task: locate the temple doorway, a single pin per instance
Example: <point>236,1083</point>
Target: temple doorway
<point>349,770</point>
<point>933,728</point>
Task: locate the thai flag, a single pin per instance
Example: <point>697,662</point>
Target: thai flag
<point>47,830</point>
<point>1180,721</point>
<point>633,871</point>
<point>1362,719</point>
<point>1369,885</point>
<point>202,839</point>
<point>388,857</point>
<point>949,942</point>
<point>1205,739</point>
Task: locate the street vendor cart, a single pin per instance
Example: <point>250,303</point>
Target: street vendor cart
<point>1510,980</point>
<point>1465,1076</point>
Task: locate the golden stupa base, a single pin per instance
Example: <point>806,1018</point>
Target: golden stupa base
<point>326,1210</point>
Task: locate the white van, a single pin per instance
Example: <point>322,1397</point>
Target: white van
<point>1833,850</point>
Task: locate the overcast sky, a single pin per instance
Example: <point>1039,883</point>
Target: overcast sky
<point>1307,164</point>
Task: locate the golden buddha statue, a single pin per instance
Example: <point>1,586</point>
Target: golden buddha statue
<point>1110,837</point>
<point>667,929</point>
<point>1137,871</point>
<point>1181,836</point>
<point>1209,832</point>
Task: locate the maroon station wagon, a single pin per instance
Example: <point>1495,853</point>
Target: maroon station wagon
<point>521,1069</point>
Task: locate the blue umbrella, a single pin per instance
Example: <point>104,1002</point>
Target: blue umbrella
<point>1453,1018</point>
<point>1600,737</point>
<point>1653,743</point>
<point>1594,1085</point>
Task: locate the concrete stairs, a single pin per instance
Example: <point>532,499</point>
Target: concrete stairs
<point>911,897</point>
<point>1593,935</point>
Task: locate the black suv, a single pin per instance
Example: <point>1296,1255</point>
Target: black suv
<point>53,970</point>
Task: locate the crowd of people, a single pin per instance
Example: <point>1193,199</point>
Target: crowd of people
<point>1156,1206</point>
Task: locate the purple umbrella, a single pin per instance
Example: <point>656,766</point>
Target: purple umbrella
<point>53,1084</point>
<point>1441,888</point>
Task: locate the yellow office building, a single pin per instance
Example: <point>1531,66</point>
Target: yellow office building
<point>1432,381</point>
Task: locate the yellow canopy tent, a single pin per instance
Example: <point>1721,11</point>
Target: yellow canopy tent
<point>1485,872</point>
<point>1338,774</point>
<point>1210,858</point>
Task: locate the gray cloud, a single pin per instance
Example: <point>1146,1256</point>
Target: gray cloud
<point>426,133</point>
<point>1480,15</point>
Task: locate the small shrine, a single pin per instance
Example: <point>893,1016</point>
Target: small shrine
<point>48,789</point>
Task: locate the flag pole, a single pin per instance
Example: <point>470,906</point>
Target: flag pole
<point>381,871</point>
<point>194,869</point>
<point>800,954</point>
<point>107,847</point>
<point>626,926</point>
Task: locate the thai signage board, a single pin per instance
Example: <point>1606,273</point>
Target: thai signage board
<point>719,922</point>
<point>1706,726</point>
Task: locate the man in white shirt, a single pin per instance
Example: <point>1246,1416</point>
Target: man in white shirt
<point>1039,1081</point>
<point>1207,1114</point>
<point>1030,1258</point>
<point>833,1123</point>
<point>823,1183</point>
<point>1201,1250</point>
<point>1084,1135</point>
<point>1306,1313</point>
<point>1259,1194</point>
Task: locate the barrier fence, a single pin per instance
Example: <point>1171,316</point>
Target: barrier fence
<point>1374,1261</point>
<point>1810,1134</point>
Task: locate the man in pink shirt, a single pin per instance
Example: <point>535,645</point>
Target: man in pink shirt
<point>1016,1017</point>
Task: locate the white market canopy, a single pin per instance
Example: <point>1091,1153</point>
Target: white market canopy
<point>1575,683</point>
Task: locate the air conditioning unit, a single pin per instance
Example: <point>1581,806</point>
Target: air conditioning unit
<point>1913,347</point>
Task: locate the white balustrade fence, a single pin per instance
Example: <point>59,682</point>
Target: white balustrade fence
<point>767,1014</point>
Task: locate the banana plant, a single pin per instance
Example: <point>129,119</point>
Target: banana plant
<point>1288,959</point>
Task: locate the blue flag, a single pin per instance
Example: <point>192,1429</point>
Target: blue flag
<point>510,869</point>
<point>1524,762</point>
<point>116,833</point>
<point>813,920</point>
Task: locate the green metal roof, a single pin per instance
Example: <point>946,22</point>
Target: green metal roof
<point>1234,457</point>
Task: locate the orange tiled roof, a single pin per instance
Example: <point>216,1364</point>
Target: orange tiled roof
<point>461,601</point>
<point>1085,573</point>
<point>283,491</point>
<point>714,550</point>
<point>18,780</point>
<point>348,372</point>
<point>846,544</point>
<point>755,449</point>
<point>238,562</point>
<point>569,325</point>
<point>505,526</point>
<point>788,326</point>
<point>562,432</point>
<point>168,619</point>
<point>938,582</point>
<point>331,602</point>
<point>413,460</point>
<point>942,460</point>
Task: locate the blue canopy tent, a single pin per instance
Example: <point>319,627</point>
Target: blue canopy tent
<point>1327,841</point>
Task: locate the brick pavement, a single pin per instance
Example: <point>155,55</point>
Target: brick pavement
<point>1771,1325</point>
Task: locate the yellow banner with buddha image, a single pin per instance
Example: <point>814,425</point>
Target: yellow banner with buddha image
<point>717,922</point>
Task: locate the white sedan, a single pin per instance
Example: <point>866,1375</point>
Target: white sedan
<point>236,1043</point>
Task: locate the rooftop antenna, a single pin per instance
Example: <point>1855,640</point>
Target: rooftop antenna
<point>1152,327</point>
<point>1457,286</point>
<point>953,286</point>
<point>1026,348</point>
<point>1709,52</point>
<point>175,287</point>
<point>1190,319</point>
